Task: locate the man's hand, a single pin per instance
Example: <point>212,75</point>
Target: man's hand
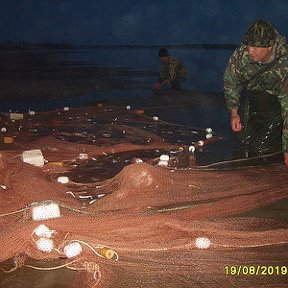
<point>235,120</point>
<point>157,86</point>
<point>286,159</point>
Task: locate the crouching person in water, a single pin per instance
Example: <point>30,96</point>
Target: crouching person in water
<point>258,72</point>
<point>172,71</point>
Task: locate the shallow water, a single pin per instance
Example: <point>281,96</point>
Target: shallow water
<point>206,68</point>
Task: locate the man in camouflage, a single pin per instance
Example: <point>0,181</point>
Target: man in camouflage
<point>172,71</point>
<point>259,68</point>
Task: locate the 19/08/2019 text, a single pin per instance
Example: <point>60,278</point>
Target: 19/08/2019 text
<point>237,270</point>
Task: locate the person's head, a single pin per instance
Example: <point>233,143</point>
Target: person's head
<point>163,55</point>
<point>260,39</point>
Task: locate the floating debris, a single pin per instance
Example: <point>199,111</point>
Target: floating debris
<point>92,201</point>
<point>85,197</point>
<point>70,193</point>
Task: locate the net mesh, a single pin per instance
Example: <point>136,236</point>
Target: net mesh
<point>139,224</point>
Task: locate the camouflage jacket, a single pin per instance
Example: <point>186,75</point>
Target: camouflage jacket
<point>170,70</point>
<point>239,75</point>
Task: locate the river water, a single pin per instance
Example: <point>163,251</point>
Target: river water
<point>205,65</point>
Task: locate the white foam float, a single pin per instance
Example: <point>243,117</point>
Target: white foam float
<point>72,249</point>
<point>202,243</point>
<point>163,160</point>
<point>63,179</point>
<point>16,116</point>
<point>200,143</point>
<point>45,211</point>
<point>43,231</point>
<point>208,130</point>
<point>209,135</point>
<point>31,113</point>
<point>45,245</point>
<point>192,148</point>
<point>83,156</point>
<point>33,157</point>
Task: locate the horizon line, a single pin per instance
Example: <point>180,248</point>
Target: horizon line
<point>23,44</point>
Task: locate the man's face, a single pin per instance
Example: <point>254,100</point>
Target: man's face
<point>164,60</point>
<point>260,54</point>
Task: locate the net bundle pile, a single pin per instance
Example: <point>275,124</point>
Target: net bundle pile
<point>142,224</point>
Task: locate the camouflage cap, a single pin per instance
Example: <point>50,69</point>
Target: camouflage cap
<point>163,52</point>
<point>260,34</point>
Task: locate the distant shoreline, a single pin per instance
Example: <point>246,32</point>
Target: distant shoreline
<point>171,46</point>
<point>44,46</point>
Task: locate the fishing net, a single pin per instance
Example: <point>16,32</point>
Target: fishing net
<point>108,210</point>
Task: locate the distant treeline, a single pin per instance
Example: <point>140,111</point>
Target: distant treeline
<point>27,46</point>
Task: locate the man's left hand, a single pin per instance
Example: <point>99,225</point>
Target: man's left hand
<point>286,159</point>
<point>157,86</point>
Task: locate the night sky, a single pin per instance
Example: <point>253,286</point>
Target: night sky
<point>146,22</point>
